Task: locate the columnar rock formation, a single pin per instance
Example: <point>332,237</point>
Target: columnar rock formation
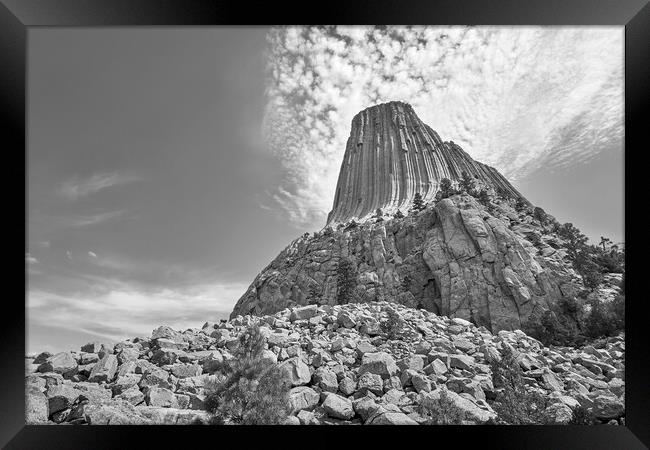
<point>490,261</point>
<point>390,155</point>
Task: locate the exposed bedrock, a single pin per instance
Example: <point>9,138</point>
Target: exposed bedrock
<point>454,259</point>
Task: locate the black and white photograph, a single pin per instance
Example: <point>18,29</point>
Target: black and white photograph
<point>325,225</point>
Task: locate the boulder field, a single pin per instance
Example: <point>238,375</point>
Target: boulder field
<point>343,370</point>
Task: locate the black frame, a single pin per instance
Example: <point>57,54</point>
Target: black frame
<point>17,16</point>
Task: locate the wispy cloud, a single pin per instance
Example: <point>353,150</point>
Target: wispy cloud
<point>77,187</point>
<point>130,310</point>
<point>29,259</point>
<point>90,219</point>
<point>517,98</point>
<point>92,254</point>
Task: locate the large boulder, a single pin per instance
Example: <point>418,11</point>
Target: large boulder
<point>304,313</point>
<point>472,411</point>
<point>303,397</point>
<point>379,363</point>
<point>338,407</point>
<point>104,370</point>
<point>391,418</point>
<point>296,370</point>
<point>63,363</point>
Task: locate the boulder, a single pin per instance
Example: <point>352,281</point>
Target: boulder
<point>186,370</point>
<point>338,407</point>
<point>132,395</point>
<point>104,370</point>
<point>421,383</point>
<point>303,397</point>
<point>370,382</point>
<point>379,363</point>
<point>304,313</point>
<point>461,361</point>
<point>160,397</point>
<point>558,414</point>
<point>296,371</point>
<point>62,363</point>
<point>326,379</point>
<point>471,409</point>
<point>391,418</point>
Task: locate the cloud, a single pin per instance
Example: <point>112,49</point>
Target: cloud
<point>68,255</point>
<point>517,98</point>
<point>123,311</point>
<point>78,221</point>
<point>29,259</point>
<point>76,188</point>
<point>92,254</point>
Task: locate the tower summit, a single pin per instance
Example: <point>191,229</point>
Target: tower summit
<point>391,155</point>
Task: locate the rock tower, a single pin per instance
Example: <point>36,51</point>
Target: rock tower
<point>391,155</point>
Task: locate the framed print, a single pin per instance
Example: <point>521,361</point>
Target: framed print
<point>379,214</point>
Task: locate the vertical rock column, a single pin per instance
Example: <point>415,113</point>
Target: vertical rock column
<point>390,156</point>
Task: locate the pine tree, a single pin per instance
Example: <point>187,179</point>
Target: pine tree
<point>467,183</point>
<point>254,391</point>
<point>418,202</point>
<point>446,189</point>
<point>346,281</point>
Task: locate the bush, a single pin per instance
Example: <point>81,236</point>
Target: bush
<point>484,197</point>
<point>514,404</point>
<point>399,215</point>
<point>582,416</point>
<point>392,326</point>
<point>347,280</point>
<point>352,225</point>
<point>605,318</point>
<point>540,215</point>
<point>552,329</point>
<point>442,411</point>
<point>379,215</point>
<point>254,391</point>
<point>467,183</point>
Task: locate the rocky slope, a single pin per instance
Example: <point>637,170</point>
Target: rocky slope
<point>390,155</point>
<point>493,265</point>
<point>342,367</point>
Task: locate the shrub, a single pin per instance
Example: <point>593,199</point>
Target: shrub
<point>521,204</point>
<point>540,215</point>
<point>347,280</point>
<point>446,189</point>
<point>581,416</point>
<point>442,411</point>
<point>418,202</point>
<point>254,391</point>
<point>554,329</point>
<point>392,326</point>
<point>514,404</point>
<point>379,215</point>
<point>467,183</point>
<point>352,225</point>
<point>483,197</point>
<point>399,215</point>
<point>605,318</point>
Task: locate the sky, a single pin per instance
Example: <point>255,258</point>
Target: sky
<point>167,166</point>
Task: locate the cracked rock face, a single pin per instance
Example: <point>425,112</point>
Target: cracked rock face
<point>457,258</point>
